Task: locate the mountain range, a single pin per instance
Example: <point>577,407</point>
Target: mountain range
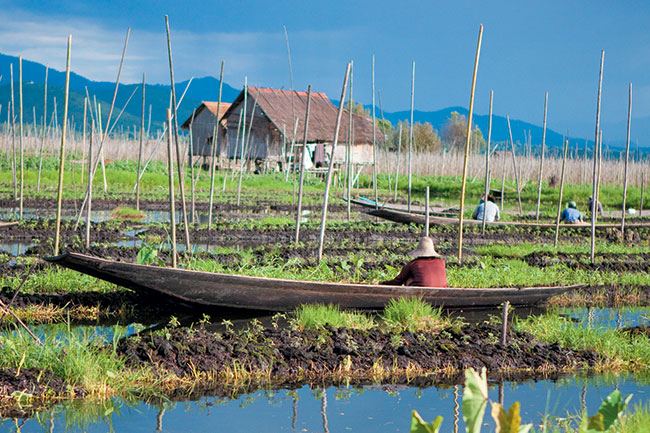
<point>207,88</point>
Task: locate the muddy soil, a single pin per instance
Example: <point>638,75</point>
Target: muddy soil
<point>603,262</point>
<point>284,356</point>
<point>42,385</point>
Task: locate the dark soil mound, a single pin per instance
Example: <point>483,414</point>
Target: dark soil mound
<point>291,356</point>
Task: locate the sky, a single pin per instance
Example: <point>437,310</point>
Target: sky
<point>528,48</point>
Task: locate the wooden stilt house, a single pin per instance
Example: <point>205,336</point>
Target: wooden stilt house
<point>202,124</point>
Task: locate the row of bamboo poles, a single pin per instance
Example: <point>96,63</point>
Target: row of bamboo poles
<point>443,163</point>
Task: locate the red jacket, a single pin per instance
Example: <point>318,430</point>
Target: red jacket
<point>422,272</point>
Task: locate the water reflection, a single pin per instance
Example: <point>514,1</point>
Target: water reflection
<point>336,409</point>
<point>609,318</point>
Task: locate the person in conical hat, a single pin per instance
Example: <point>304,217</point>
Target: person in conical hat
<point>426,270</point>
<point>571,215</point>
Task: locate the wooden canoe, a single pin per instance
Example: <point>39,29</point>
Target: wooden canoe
<point>368,203</point>
<point>408,218</point>
<point>275,294</point>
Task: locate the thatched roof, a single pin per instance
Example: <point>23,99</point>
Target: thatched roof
<point>210,106</point>
<point>277,107</point>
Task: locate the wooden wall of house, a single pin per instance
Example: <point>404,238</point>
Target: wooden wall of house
<point>202,131</point>
<point>265,142</point>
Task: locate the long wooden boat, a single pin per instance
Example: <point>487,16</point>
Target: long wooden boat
<point>275,294</point>
<point>408,218</point>
<point>433,210</point>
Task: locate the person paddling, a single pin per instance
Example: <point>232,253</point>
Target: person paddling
<point>426,270</point>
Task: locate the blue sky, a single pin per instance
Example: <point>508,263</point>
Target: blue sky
<point>528,48</point>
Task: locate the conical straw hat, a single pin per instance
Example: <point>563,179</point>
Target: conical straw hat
<point>424,249</point>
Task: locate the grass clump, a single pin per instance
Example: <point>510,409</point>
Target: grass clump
<point>413,314</point>
<point>316,316</point>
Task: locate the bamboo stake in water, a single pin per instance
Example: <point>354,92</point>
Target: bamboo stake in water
<point>302,169</point>
<point>487,165</point>
<point>20,131</point>
<point>90,183</point>
<point>176,141</point>
<point>399,150</point>
<point>514,164</point>
<point>467,141</point>
<point>627,159</point>
<point>328,180</point>
<point>40,152</point>
<point>411,137</point>
<point>594,206</point>
<point>541,160</point>
<point>170,175</point>
<point>59,198</point>
<point>374,141</point>
<point>215,143</point>
<point>559,201</point>
<point>426,214</point>
<point>137,184</point>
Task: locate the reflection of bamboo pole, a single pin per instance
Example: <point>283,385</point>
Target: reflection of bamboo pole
<point>40,153</point>
<point>487,165</point>
<point>20,131</point>
<point>411,137</point>
<point>514,163</point>
<point>215,143</point>
<point>170,175</point>
<point>181,185</point>
<point>137,182</point>
<point>456,409</point>
<point>90,184</point>
<point>627,159</point>
<point>541,161</point>
<point>302,169</point>
<point>594,205</point>
<point>467,142</point>
<point>328,180</point>
<point>57,236</point>
<point>559,202</point>
<point>323,411</point>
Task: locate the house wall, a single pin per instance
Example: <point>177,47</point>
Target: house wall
<point>202,131</point>
<point>264,141</point>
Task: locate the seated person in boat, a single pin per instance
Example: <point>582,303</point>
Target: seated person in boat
<point>426,270</point>
<point>571,215</point>
<point>590,206</point>
<point>492,209</point>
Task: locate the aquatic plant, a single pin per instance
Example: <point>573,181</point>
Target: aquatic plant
<point>316,316</point>
<point>413,314</point>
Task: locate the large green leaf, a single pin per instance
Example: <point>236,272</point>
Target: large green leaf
<point>475,398</point>
<point>418,425</point>
<point>508,422</point>
<point>612,408</point>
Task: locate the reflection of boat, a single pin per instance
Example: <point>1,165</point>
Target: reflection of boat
<point>408,218</point>
<point>275,294</point>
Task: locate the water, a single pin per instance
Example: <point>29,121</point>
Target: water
<point>15,248</point>
<point>367,409</point>
<point>609,318</point>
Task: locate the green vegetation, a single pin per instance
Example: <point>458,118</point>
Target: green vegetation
<point>413,314</point>
<point>316,316</point>
<point>127,213</point>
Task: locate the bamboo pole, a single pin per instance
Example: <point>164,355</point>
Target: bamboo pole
<point>559,201</point>
<point>399,149</point>
<point>374,141</point>
<point>137,183</point>
<point>467,142</point>
<point>20,138</point>
<point>594,205</point>
<point>215,143</point>
<point>302,169</point>
<point>101,148</point>
<point>514,164</point>
<point>13,133</point>
<point>627,159</point>
<point>83,137</point>
<point>487,165</point>
<point>642,191</point>
<point>176,141</point>
<point>59,197</point>
<point>234,155</point>
<point>328,180</point>
<point>40,153</point>
<point>348,153</point>
<point>90,183</point>
<point>503,173</point>
<point>170,175</point>
<point>426,213</point>
<point>411,136</point>
<point>190,144</point>
<point>541,160</point>
<point>246,147</point>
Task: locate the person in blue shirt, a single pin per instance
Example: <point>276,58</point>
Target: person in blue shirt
<point>492,209</point>
<point>571,215</point>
